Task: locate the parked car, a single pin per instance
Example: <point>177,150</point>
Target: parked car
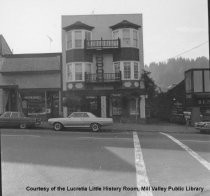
<point>17,119</point>
<point>203,126</point>
<point>80,120</point>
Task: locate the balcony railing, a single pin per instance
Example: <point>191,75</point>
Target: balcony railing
<point>107,77</point>
<point>102,44</point>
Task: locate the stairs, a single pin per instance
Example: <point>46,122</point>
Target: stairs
<point>99,67</point>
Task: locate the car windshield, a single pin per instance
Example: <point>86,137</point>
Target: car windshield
<point>6,115</point>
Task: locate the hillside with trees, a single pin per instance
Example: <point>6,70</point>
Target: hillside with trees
<point>166,74</point>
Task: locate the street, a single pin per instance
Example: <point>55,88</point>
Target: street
<point>45,162</point>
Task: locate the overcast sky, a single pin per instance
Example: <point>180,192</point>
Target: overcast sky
<point>170,27</point>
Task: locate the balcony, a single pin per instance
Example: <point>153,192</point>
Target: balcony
<point>103,78</point>
<point>102,44</point>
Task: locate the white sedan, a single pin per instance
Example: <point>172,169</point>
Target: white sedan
<point>80,120</point>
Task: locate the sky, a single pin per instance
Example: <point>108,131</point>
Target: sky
<point>171,28</point>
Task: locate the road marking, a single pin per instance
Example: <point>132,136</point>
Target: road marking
<point>190,151</point>
<point>19,135</point>
<point>141,173</point>
<point>196,141</point>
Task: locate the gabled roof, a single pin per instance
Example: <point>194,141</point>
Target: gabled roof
<point>125,24</point>
<point>78,25</point>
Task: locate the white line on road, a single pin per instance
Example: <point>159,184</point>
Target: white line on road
<point>190,151</point>
<point>141,174</point>
<point>196,141</point>
<point>19,135</point>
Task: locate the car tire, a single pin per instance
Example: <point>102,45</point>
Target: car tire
<point>95,127</point>
<point>23,126</point>
<point>57,126</point>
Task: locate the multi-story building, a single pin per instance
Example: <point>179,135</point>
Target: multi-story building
<point>102,63</point>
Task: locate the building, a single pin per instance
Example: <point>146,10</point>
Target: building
<point>102,63</point>
<point>31,83</point>
<point>197,92</point>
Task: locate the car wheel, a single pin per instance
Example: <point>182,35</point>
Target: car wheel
<point>23,125</point>
<point>57,126</point>
<point>95,127</point>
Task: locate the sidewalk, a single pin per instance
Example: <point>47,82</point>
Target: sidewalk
<point>161,127</point>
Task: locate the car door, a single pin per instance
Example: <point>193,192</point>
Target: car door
<point>86,120</point>
<point>5,119</point>
<point>74,120</point>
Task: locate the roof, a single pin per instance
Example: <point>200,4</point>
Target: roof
<point>78,25</point>
<point>4,48</point>
<point>31,62</point>
<point>125,24</point>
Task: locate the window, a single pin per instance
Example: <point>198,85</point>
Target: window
<point>69,40</point>
<point>135,38</point>
<point>133,107</point>
<point>76,115</point>
<point>78,71</point>
<point>6,115</point>
<point>136,70</point>
<point>69,72</point>
<point>126,37</point>
<point>14,115</point>
<point>127,70</point>
<point>78,39</point>
<point>116,67</point>
<point>87,35</point>
<point>115,34</point>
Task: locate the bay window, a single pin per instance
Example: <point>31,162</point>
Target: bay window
<point>127,70</point>
<point>78,71</point>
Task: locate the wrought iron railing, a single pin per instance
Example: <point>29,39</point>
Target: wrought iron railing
<point>106,77</point>
<point>100,44</point>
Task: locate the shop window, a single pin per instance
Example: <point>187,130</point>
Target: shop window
<point>78,71</point>
<point>78,39</point>
<point>69,40</point>
<point>135,38</point>
<point>126,37</point>
<point>136,70</point>
<point>69,72</point>
<point>127,70</point>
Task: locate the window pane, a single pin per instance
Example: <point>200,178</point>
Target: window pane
<point>126,37</point>
<point>135,38</point>
<point>78,71</point>
<point>127,70</point>
<point>78,39</point>
<point>136,70</point>
<point>198,83</point>
<point>115,34</point>
<point>69,40</point>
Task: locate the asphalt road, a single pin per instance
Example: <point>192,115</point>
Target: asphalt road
<point>44,162</point>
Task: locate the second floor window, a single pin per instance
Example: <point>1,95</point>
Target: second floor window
<point>78,71</point>
<point>136,70</point>
<point>69,40</point>
<point>78,39</point>
<point>116,67</point>
<point>135,38</point>
<point>126,37</point>
<point>127,70</point>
